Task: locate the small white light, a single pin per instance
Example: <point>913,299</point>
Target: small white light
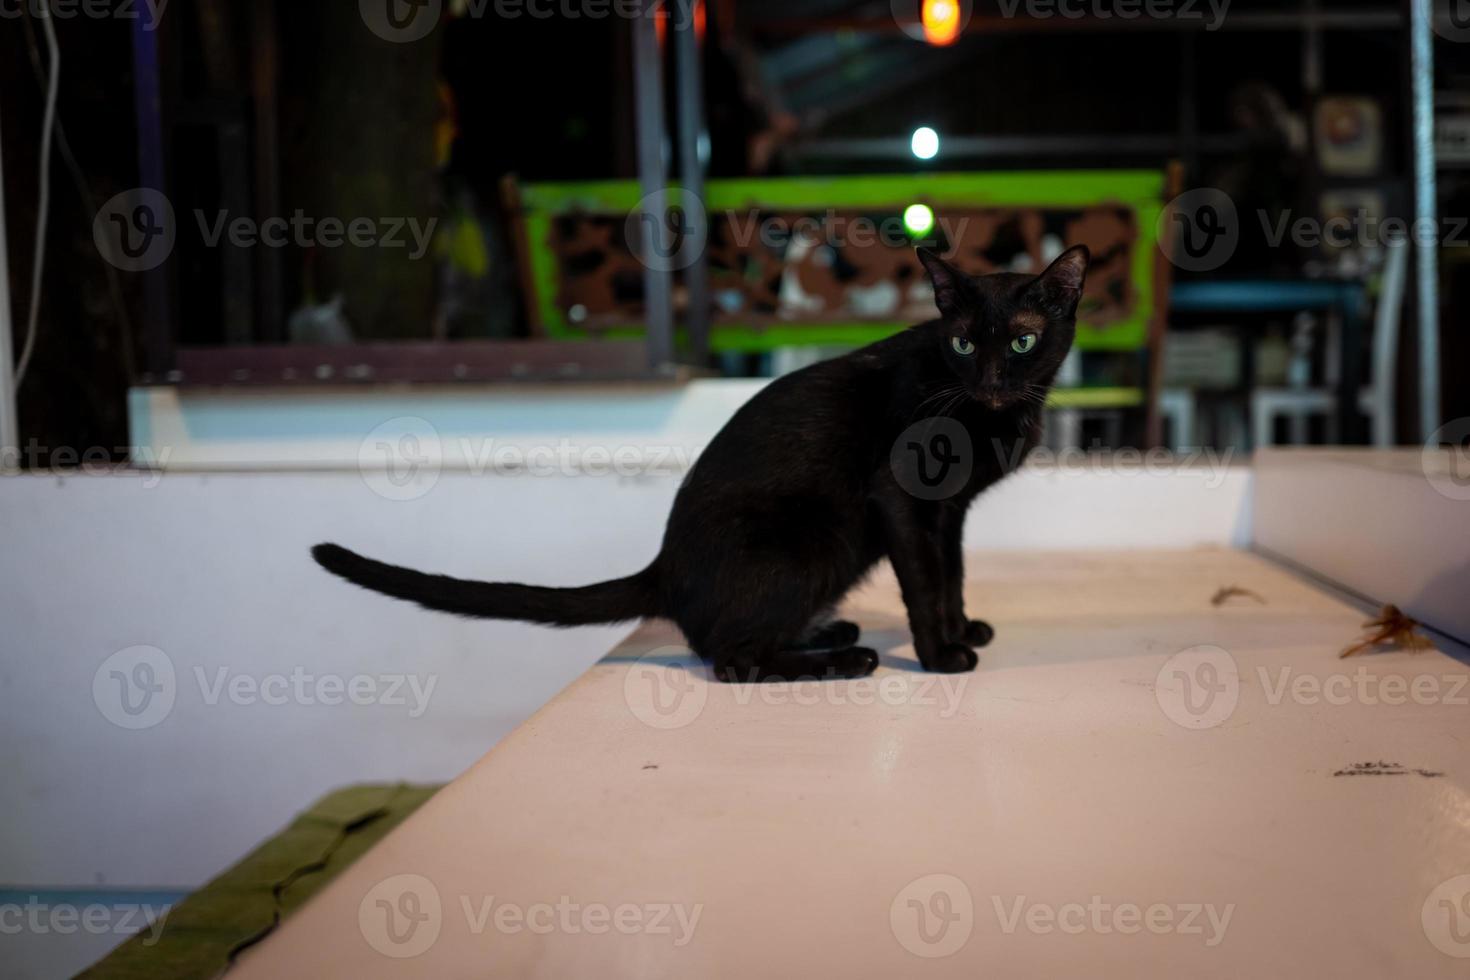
<point>925,143</point>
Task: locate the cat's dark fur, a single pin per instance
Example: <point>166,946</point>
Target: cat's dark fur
<point>798,497</point>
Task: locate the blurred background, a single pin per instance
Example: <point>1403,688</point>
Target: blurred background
<point>439,191</point>
<point>467,284</point>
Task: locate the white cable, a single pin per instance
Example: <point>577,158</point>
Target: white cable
<point>9,434</point>
<point>43,204</point>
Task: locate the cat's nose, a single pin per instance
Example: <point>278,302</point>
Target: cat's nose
<point>991,397</point>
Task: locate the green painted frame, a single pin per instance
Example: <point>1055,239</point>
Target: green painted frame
<point>1141,191</point>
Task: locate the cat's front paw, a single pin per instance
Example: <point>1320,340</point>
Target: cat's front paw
<point>978,633</point>
<point>952,658</point>
<point>854,662</point>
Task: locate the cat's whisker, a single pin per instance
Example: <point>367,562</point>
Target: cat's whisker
<point>944,392</point>
<point>944,404</point>
<point>1034,393</point>
<point>958,399</point>
<point>938,397</point>
<point>932,397</point>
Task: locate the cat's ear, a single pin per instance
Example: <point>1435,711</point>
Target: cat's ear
<point>947,282</point>
<point>1059,289</point>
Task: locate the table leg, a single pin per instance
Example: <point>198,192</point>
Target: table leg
<point>1350,369</point>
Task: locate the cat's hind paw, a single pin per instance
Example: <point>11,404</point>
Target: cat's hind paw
<point>953,658</point>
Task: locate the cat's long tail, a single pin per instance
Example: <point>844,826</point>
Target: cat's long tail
<point>604,602</point>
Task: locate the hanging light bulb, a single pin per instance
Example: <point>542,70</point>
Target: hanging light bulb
<point>924,144</point>
<point>941,21</point>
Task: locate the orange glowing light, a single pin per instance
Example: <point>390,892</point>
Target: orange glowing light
<point>661,23</point>
<point>941,20</point>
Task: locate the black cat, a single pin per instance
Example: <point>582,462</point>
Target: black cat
<point>876,454</point>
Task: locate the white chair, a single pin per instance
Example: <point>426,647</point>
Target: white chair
<point>1065,428</point>
<point>1299,405</point>
<point>1177,406</point>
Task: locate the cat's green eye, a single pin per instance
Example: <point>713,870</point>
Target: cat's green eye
<point>962,345</point>
<point>1024,343</point>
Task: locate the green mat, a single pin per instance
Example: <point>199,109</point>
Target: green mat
<point>204,932</point>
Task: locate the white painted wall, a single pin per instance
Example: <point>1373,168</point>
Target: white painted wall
<point>1410,514</point>
<point>212,569</point>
